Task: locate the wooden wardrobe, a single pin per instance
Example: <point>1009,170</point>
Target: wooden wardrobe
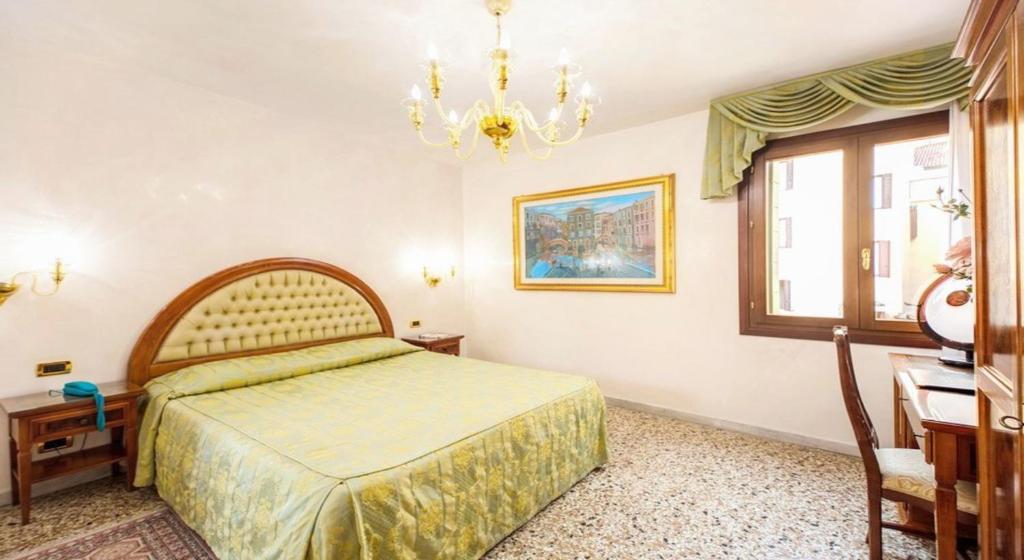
<point>992,42</point>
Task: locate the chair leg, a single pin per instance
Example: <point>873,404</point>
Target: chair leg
<point>874,524</point>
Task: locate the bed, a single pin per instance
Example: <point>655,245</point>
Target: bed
<point>283,420</point>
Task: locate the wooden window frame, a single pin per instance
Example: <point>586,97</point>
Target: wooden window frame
<point>857,143</point>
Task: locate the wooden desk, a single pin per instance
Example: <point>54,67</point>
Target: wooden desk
<point>944,425</point>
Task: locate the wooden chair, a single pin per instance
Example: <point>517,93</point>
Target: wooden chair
<point>899,475</point>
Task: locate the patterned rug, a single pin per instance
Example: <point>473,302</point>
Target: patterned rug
<point>158,535</point>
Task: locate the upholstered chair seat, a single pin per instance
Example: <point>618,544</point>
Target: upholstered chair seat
<point>905,471</point>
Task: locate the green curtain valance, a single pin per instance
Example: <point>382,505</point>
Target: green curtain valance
<point>739,125</point>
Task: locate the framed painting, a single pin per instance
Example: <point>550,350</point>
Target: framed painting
<point>617,237</point>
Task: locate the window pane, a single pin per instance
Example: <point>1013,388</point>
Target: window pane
<point>805,235</point>
<point>910,233</point>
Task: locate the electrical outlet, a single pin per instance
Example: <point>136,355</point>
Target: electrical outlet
<point>52,445</point>
<point>53,368</point>
<point>415,324</point>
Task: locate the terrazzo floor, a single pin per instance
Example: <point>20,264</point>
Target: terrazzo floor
<point>672,490</point>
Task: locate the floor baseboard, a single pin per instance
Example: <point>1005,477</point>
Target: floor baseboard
<point>806,441</point>
<point>49,486</point>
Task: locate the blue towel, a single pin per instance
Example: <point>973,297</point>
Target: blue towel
<point>87,389</point>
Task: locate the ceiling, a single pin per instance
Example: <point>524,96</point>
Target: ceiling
<point>349,63</point>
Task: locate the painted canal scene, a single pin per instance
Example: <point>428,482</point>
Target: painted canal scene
<point>603,236</point>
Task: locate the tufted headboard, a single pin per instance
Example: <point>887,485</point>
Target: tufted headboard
<point>260,307</point>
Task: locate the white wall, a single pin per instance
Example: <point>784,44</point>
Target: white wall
<point>678,351</point>
<point>152,185</point>
<point>145,185</point>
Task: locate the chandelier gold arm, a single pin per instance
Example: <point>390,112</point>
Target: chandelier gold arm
<point>472,148</point>
<point>454,128</point>
<point>518,108</point>
<point>423,139</point>
<point>521,111</point>
<point>535,155</point>
<point>558,143</point>
<point>460,124</point>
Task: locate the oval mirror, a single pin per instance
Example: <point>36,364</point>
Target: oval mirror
<point>946,313</point>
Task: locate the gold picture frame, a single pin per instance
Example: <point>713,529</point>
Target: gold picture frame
<point>621,240</point>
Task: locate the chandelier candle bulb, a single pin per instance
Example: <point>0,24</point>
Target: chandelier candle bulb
<point>497,120</point>
<point>563,58</point>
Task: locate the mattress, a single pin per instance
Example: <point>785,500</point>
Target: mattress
<point>366,449</point>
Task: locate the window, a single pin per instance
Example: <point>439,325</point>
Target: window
<point>788,170</point>
<point>785,296</point>
<point>841,228</point>
<point>882,194</point>
<point>785,234</point>
<point>882,259</point>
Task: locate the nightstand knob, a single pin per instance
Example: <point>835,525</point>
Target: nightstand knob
<point>83,421</point>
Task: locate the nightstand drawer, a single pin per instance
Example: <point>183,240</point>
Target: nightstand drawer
<point>75,421</point>
<point>452,349</point>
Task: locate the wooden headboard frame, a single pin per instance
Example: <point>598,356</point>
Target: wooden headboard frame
<point>142,365</point>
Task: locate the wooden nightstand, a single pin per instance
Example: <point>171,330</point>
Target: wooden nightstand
<point>447,345</point>
<point>34,419</point>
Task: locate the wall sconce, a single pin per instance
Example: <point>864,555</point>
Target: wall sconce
<point>433,279</point>
<point>7,289</point>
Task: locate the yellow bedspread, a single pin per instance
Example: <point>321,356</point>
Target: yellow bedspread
<point>365,449</point>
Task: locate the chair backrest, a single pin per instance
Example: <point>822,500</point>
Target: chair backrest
<point>863,429</point>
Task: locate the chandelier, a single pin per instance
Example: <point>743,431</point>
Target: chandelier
<point>498,121</point>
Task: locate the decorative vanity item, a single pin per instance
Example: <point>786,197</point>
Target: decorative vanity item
<point>616,237</point>
<point>946,314</point>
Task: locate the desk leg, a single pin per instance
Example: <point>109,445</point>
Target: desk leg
<point>117,443</point>
<point>944,452</point>
<point>131,446</point>
<point>14,467</point>
<point>25,482</point>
